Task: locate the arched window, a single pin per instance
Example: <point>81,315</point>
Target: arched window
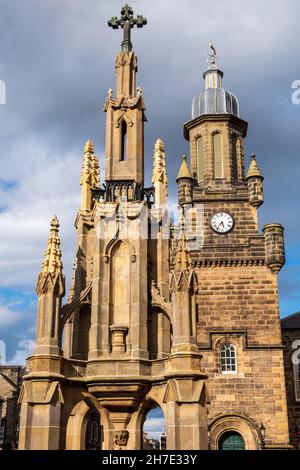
<point>153,430</point>
<point>234,157</point>
<point>231,440</point>
<point>240,159</point>
<point>218,157</point>
<point>200,159</point>
<point>297,378</point>
<point>228,359</point>
<point>123,141</point>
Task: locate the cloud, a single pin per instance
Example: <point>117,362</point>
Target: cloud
<point>8,315</point>
<point>25,350</point>
<point>154,424</point>
<point>57,70</point>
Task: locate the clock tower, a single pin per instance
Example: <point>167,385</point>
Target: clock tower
<point>238,326</point>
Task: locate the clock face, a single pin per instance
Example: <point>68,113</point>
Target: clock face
<point>222,222</point>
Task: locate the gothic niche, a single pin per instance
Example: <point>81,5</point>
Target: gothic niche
<point>81,330</point>
<point>119,297</point>
<point>159,335</point>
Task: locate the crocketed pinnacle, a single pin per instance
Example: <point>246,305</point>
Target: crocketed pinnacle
<point>254,170</point>
<point>159,163</point>
<point>90,167</point>
<point>52,257</point>
<point>184,171</point>
<point>182,257</point>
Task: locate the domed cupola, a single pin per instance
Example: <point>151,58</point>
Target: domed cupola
<point>214,99</point>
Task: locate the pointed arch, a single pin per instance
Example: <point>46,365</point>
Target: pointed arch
<point>115,241</point>
<point>123,154</point>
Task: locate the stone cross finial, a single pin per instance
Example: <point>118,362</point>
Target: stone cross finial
<point>127,22</point>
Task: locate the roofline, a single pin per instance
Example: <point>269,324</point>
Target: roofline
<point>240,123</point>
<point>288,326</point>
<point>290,316</point>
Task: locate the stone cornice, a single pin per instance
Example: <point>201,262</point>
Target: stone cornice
<point>238,123</point>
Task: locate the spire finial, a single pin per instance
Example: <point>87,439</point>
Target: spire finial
<point>52,256</point>
<point>90,175</point>
<point>182,257</point>
<point>89,147</point>
<point>159,163</point>
<point>127,22</point>
<point>90,166</point>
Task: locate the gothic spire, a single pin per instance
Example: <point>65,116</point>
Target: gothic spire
<point>254,170</point>
<point>52,257</point>
<point>184,171</point>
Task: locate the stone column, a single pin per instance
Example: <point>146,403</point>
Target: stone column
<point>186,414</point>
<point>40,415</point>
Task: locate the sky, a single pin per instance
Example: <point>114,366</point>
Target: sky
<point>57,64</point>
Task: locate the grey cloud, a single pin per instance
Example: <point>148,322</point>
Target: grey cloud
<point>57,59</point>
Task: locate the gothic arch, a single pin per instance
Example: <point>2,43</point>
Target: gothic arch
<point>147,405</point>
<point>76,427</point>
<point>77,424</point>
<point>235,422</point>
<point>113,243</point>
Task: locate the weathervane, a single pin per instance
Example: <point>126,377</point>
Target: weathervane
<point>127,22</point>
<point>212,54</point>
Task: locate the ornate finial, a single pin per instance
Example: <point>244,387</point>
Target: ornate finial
<point>90,167</point>
<point>89,147</point>
<point>159,163</point>
<point>127,22</point>
<point>55,224</point>
<point>52,257</point>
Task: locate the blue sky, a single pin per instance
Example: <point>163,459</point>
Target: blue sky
<point>57,62</point>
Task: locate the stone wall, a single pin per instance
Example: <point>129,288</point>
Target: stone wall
<point>10,382</point>
<point>288,337</point>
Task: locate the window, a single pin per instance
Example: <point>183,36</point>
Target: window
<point>123,141</point>
<point>228,359</point>
<point>297,378</point>
<point>200,159</point>
<point>240,159</point>
<point>218,157</point>
<point>234,157</point>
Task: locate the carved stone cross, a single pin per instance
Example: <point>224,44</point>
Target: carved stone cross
<point>127,22</point>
